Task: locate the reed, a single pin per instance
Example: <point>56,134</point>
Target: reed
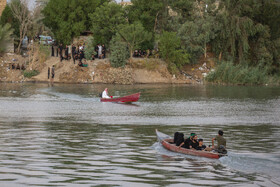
<point>229,73</point>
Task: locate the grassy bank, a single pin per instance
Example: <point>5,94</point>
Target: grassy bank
<point>228,73</point>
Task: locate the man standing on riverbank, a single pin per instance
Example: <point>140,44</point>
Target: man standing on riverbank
<point>60,52</point>
<point>53,73</point>
<point>73,51</point>
<point>49,70</point>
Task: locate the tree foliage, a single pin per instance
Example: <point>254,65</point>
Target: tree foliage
<point>119,52</point>
<point>200,32</point>
<point>5,36</point>
<point>170,50</point>
<point>134,35</point>
<point>68,18</point>
<point>148,12</point>
<point>238,29</point>
<point>105,20</point>
<point>90,48</point>
<point>8,17</point>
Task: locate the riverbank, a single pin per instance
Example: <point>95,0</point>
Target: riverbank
<point>137,71</point>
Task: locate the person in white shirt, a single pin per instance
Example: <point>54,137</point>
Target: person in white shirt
<point>105,94</point>
<point>99,51</point>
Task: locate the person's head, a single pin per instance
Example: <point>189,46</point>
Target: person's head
<point>200,141</point>
<point>106,89</point>
<point>192,135</point>
<point>220,132</point>
<point>195,137</point>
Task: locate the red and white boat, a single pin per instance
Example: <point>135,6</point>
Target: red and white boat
<point>167,142</point>
<point>125,99</point>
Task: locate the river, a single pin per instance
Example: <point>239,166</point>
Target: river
<point>62,135</point>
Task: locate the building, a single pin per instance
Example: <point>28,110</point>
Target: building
<point>3,4</point>
<point>123,3</point>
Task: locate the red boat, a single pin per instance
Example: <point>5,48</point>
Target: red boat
<point>167,142</point>
<point>125,99</point>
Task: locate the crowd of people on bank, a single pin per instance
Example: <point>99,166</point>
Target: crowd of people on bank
<point>193,142</point>
<point>17,66</point>
<point>138,53</point>
<point>77,53</point>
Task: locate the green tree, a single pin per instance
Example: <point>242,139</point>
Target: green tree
<point>68,18</point>
<point>200,32</point>
<point>268,14</point>
<point>134,35</point>
<point>182,7</point>
<point>119,52</point>
<point>148,12</point>
<point>105,20</point>
<point>170,50</point>
<point>8,17</point>
<point>90,48</point>
<point>5,36</point>
<point>239,31</point>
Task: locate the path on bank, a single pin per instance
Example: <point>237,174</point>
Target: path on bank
<point>43,76</point>
<point>61,68</point>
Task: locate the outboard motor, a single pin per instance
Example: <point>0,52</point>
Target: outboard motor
<point>222,149</point>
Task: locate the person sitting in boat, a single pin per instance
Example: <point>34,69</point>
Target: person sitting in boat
<point>220,140</point>
<point>200,147</point>
<point>191,142</point>
<point>105,94</point>
<point>178,138</point>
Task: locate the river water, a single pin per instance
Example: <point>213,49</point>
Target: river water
<point>62,135</point>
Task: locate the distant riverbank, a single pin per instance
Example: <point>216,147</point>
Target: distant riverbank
<point>137,71</point>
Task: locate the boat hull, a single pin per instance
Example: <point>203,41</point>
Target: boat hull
<point>166,141</point>
<point>126,99</point>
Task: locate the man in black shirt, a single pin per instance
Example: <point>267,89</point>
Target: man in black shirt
<point>73,52</point>
<point>200,146</point>
<point>194,143</point>
<point>190,142</point>
<point>60,52</point>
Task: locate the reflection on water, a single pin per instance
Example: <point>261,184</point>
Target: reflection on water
<point>63,135</point>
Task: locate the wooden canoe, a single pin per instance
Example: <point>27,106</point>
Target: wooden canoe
<point>125,99</point>
<point>167,142</point>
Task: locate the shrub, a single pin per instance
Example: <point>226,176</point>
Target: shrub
<point>229,73</point>
<point>119,52</point>
<point>90,48</point>
<point>30,73</point>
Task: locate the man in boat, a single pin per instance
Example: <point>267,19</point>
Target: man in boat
<point>178,138</point>
<point>200,147</point>
<point>105,94</point>
<point>220,140</point>
<point>190,142</point>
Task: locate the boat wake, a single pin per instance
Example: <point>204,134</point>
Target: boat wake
<point>247,163</point>
<point>253,163</point>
